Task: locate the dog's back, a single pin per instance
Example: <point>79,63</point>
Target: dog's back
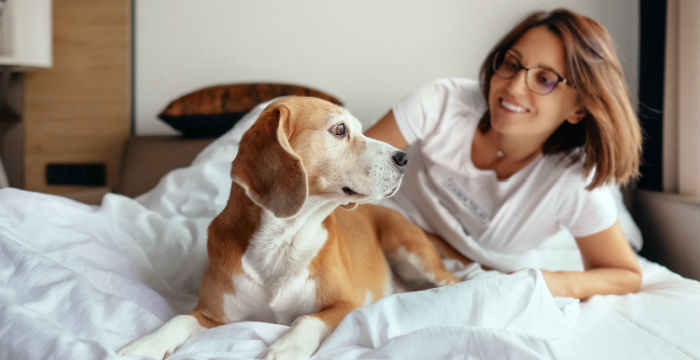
<point>414,262</point>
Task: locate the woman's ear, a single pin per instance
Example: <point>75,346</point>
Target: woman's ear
<point>577,114</point>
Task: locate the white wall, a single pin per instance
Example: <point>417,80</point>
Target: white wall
<point>367,53</point>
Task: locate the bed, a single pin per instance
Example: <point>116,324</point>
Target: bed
<point>79,281</point>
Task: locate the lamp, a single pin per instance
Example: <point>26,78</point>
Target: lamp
<point>25,45</point>
<point>25,33</point>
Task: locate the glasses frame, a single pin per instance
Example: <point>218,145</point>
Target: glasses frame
<point>560,79</point>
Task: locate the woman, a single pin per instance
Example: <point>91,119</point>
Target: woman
<point>497,169</point>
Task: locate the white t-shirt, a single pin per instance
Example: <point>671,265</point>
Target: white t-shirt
<point>494,222</point>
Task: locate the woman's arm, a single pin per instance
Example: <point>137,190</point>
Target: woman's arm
<point>610,268</point>
<point>386,130</point>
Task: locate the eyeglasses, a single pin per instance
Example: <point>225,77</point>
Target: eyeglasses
<point>540,81</point>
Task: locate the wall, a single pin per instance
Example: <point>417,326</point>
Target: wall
<point>368,53</point>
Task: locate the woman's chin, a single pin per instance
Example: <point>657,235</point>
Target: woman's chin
<point>503,124</point>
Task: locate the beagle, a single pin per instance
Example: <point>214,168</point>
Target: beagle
<point>281,252</point>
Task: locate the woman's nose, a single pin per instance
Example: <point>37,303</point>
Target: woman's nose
<point>518,83</point>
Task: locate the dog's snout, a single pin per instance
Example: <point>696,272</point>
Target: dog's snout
<point>400,158</point>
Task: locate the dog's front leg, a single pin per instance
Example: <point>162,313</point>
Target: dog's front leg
<point>162,342</point>
<point>306,334</point>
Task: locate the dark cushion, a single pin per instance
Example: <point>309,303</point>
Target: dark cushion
<point>212,111</point>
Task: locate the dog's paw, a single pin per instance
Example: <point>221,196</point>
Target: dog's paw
<point>144,348</point>
<point>448,279</point>
<point>299,342</point>
<point>285,353</point>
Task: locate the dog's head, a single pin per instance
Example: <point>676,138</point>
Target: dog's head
<point>303,146</point>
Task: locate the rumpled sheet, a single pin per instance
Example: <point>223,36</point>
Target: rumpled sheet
<point>80,281</point>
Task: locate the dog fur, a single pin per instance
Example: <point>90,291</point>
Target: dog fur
<point>281,251</point>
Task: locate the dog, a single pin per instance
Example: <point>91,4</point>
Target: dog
<point>283,251</point>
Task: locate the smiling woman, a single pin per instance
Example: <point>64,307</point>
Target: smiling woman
<point>534,146</point>
<point>525,107</point>
<point>584,53</point>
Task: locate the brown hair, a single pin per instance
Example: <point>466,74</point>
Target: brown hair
<point>609,133</point>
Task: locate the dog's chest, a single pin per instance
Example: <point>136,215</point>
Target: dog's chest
<point>280,303</point>
<point>275,284</point>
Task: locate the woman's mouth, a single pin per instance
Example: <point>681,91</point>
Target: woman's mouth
<point>512,107</point>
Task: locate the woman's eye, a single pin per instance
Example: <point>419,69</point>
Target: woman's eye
<point>512,64</point>
<point>338,130</point>
<point>546,78</point>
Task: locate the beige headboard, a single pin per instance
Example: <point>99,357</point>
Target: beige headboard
<point>148,158</point>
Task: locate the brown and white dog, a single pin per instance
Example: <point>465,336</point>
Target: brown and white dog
<point>280,252</point>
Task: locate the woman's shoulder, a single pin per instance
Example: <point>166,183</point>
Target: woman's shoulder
<point>457,96</point>
<point>456,82</point>
<point>434,111</point>
<point>564,176</point>
<point>568,182</point>
<point>581,210</point>
<point>566,168</point>
<point>457,87</point>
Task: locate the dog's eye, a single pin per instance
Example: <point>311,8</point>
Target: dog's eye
<point>338,130</point>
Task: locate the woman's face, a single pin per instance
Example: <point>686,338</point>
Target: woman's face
<point>518,111</point>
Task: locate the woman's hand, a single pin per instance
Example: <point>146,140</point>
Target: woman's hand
<point>554,283</point>
<point>610,268</point>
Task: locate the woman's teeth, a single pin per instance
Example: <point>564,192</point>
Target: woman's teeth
<point>512,107</point>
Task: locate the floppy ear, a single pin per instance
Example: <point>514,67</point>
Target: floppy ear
<point>271,173</point>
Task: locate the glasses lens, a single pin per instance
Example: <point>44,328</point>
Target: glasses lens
<point>506,65</point>
<point>542,81</point>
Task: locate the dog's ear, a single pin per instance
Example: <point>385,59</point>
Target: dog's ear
<point>271,173</point>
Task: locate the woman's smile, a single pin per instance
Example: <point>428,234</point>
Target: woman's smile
<point>512,106</point>
<point>512,99</point>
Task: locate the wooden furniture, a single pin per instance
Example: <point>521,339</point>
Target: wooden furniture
<point>79,110</point>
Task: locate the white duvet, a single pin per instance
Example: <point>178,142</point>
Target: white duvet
<point>80,281</point>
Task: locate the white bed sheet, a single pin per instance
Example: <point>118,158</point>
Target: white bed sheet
<point>79,281</point>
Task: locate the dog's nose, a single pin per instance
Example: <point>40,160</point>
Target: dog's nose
<point>400,158</point>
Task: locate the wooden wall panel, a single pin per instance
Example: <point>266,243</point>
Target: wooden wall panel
<point>79,111</point>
